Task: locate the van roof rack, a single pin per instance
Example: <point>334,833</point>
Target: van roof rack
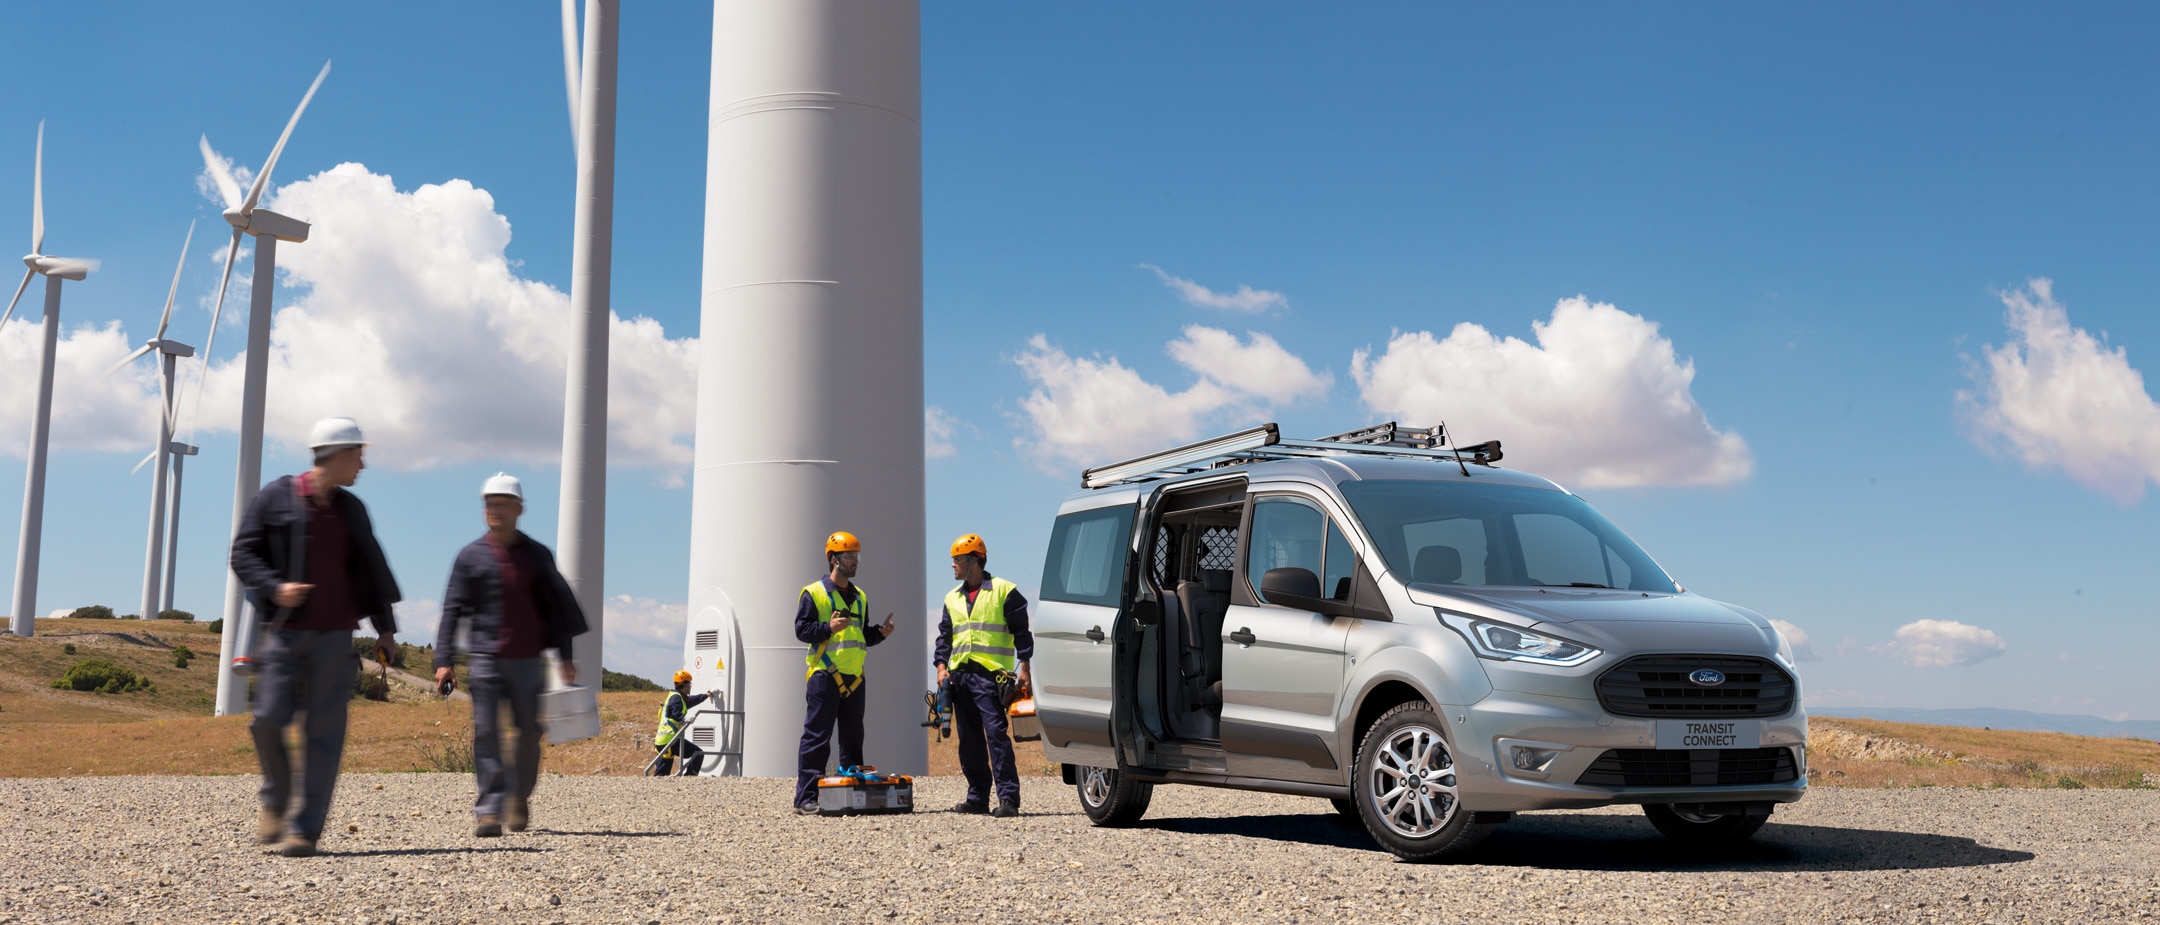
<point>1258,444</point>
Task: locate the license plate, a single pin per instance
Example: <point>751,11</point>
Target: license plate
<point>1709,733</point>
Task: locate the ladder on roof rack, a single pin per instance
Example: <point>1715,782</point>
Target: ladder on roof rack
<point>1388,440</point>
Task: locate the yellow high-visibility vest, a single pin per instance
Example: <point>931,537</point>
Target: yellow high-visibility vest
<point>979,633</point>
<point>843,653</point>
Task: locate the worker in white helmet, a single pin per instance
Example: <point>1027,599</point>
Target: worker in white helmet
<point>505,585</point>
<point>307,555</point>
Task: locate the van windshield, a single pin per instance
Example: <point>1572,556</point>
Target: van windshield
<point>1452,533</point>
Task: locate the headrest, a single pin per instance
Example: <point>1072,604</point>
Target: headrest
<point>1438,565</point>
<point>1215,580</point>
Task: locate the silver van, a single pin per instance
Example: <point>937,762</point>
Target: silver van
<point>1395,624</point>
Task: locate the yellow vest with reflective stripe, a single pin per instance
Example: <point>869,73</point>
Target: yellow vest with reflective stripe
<point>844,651</point>
<point>669,726</point>
<point>979,634</point>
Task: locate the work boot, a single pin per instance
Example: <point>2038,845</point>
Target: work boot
<point>1005,811</point>
<point>297,845</point>
<point>269,827</point>
<point>971,808</point>
<point>514,817</point>
<point>487,827</point>
<point>806,809</point>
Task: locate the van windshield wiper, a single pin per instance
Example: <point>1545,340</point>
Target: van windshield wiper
<point>1588,584</point>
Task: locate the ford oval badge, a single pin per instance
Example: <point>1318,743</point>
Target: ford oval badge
<point>1707,677</point>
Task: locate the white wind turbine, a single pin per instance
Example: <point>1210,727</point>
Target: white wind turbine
<point>268,228</point>
<point>171,351</point>
<point>54,269</point>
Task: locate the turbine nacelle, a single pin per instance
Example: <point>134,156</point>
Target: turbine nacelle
<point>260,221</point>
<point>62,267</point>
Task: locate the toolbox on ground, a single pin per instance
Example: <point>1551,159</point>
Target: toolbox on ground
<point>863,791</point>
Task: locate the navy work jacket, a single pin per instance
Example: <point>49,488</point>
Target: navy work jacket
<point>476,592</point>
<point>262,554</point>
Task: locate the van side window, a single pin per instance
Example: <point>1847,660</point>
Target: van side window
<point>1087,556</point>
<point>1341,565</point>
<point>1286,533</point>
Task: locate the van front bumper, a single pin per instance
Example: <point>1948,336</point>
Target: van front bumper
<point>1564,736</point>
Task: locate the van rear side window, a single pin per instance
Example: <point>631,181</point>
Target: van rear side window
<point>1087,556</point>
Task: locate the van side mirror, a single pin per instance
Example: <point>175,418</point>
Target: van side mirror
<point>1299,588</point>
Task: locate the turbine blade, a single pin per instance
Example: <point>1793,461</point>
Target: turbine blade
<point>170,294</point>
<point>4,316</point>
<point>263,179</point>
<point>228,188</point>
<point>194,411</point>
<point>145,461</point>
<point>570,65</point>
<point>130,358</point>
<point>37,195</point>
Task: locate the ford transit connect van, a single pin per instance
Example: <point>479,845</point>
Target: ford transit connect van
<point>1428,640</point>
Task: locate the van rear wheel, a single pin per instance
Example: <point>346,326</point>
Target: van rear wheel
<point>1109,799</point>
<point>1702,829</point>
<point>1405,788</point>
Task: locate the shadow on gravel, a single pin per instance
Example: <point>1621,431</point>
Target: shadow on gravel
<point>1559,841</point>
<point>411,852</point>
<point>609,834</point>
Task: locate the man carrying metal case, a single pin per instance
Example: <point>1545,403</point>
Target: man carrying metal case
<point>306,553</point>
<point>982,639</point>
<point>506,587</point>
<point>833,617</point>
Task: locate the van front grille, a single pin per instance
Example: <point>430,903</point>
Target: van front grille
<point>1657,687</point>
<point>1672,767</point>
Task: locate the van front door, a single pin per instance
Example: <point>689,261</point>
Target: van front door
<point>1282,667</point>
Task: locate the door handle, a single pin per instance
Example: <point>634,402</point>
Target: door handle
<point>1094,634</point>
<point>1244,637</point>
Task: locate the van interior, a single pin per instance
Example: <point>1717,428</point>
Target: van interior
<point>1180,659</point>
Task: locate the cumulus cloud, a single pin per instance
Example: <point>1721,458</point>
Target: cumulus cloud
<point>2056,397</point>
<point>1245,299</point>
<point>939,428</point>
<point>1942,644</point>
<point>417,620</point>
<point>1600,400</point>
<point>644,636</point>
<point>90,411</point>
<point>1802,649</point>
<point>1093,410</point>
<point>412,319</point>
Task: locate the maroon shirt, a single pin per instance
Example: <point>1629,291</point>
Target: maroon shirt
<point>524,634</point>
<point>329,608</point>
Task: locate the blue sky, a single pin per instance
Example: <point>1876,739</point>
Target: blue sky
<point>1824,215</point>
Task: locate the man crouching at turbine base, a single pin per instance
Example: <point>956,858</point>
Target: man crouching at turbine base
<point>306,553</point>
<point>507,585</point>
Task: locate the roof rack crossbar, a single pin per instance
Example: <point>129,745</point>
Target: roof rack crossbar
<point>1263,443</point>
<point>1184,458</point>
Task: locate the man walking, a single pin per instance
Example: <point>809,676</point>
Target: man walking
<point>982,636</point>
<point>505,584</point>
<point>833,616</point>
<point>307,554</point>
<point>668,739</point>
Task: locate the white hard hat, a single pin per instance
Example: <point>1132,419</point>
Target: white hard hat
<point>338,432</point>
<point>503,483</point>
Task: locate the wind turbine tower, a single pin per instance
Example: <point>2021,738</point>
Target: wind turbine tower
<point>170,353</point>
<point>180,452</point>
<point>24,607</point>
<point>581,525</point>
<point>268,228</point>
<point>810,383</point>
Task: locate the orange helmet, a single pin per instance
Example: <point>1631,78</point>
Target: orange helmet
<point>682,677</point>
<point>842,541</point>
<point>971,543</point>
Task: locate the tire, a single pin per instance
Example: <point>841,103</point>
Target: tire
<point>1424,821</point>
<point>1108,798</point>
<point>1702,831</point>
<point>1344,807</point>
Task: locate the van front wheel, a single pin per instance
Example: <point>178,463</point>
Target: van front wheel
<point>1405,788</point>
<point>1109,799</point>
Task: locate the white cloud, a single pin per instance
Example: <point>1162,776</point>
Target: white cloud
<point>1942,644</point>
<point>1802,649</point>
<point>1600,400</point>
<point>1089,411</point>
<point>939,428</point>
<point>413,320</point>
<point>1259,367</point>
<point>417,620</point>
<point>1245,299</point>
<point>644,636</point>
<point>90,411</point>
<point>2056,397</point>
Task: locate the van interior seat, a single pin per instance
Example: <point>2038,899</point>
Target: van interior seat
<point>1437,565</point>
<point>1204,604</point>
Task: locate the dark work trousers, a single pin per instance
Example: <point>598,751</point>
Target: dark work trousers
<point>684,750</point>
<point>986,751</point>
<point>825,706</point>
<point>496,682</point>
<point>325,664</point>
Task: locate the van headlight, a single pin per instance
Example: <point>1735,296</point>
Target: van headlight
<point>1499,640</point>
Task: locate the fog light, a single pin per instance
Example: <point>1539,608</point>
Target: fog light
<point>1534,760</point>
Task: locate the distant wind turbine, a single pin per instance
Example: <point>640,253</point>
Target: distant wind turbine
<point>268,228</point>
<point>54,269</point>
<point>171,351</point>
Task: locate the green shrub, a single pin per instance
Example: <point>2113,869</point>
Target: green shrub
<point>175,615</point>
<point>180,656</point>
<point>2066,782</point>
<point>217,627</point>
<point>131,616</point>
<point>92,612</point>
<point>68,648</point>
<point>618,681</point>
<point>100,676</point>
<point>370,686</point>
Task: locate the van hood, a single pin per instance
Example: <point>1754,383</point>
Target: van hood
<point>1587,605</point>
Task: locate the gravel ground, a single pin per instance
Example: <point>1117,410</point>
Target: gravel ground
<point>645,850</point>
